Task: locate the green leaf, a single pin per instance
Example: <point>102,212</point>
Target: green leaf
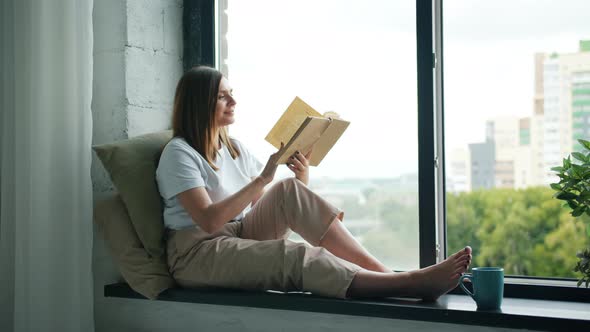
<point>579,211</point>
<point>570,183</point>
<point>572,204</point>
<point>557,169</point>
<point>572,173</point>
<point>567,162</point>
<point>555,186</point>
<point>585,143</point>
<point>580,282</point>
<point>566,196</point>
<point>588,226</point>
<point>585,195</point>
<point>580,156</point>
<point>578,169</point>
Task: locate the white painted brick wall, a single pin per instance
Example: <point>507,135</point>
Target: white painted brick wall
<point>173,28</point>
<point>145,28</point>
<point>151,78</point>
<point>143,120</point>
<point>153,57</point>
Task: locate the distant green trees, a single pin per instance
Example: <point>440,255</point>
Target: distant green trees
<point>527,231</point>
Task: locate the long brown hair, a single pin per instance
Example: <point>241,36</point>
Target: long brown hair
<point>193,115</point>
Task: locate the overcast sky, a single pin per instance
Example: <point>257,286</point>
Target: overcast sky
<point>358,58</point>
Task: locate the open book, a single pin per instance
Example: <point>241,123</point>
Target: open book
<point>302,128</point>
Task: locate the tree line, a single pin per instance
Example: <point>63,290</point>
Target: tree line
<point>526,231</point>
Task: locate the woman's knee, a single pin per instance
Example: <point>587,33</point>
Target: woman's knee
<point>285,186</point>
<point>290,183</point>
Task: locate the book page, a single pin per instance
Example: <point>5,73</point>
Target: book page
<point>290,122</point>
<point>305,138</point>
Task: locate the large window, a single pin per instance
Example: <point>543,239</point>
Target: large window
<point>513,94</point>
<point>357,58</point>
<point>516,78</point>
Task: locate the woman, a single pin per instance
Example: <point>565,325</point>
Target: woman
<point>224,231</point>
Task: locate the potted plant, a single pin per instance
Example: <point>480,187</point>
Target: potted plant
<point>574,188</point>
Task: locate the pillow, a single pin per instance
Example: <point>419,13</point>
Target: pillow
<point>132,167</point>
<point>145,274</point>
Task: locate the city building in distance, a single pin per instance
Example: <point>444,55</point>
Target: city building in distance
<point>520,152</point>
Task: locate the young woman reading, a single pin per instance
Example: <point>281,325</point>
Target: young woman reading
<point>224,230</point>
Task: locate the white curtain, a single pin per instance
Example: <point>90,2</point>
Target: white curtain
<point>46,190</point>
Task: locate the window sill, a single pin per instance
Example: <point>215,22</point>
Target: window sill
<point>456,309</point>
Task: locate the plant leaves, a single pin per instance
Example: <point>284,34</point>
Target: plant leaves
<point>578,169</point>
<point>574,174</point>
<point>555,186</point>
<point>580,156</point>
<point>585,195</point>
<point>566,196</point>
<point>585,143</point>
<point>572,204</point>
<point>579,211</point>
<point>557,169</point>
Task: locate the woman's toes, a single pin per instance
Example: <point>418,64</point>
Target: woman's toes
<point>459,255</point>
<point>461,269</point>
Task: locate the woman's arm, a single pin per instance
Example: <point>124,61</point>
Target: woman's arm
<point>212,216</point>
<point>259,194</point>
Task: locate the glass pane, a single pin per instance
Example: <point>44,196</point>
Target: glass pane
<point>356,58</point>
<point>517,98</point>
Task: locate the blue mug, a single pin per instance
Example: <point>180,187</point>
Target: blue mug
<point>488,286</point>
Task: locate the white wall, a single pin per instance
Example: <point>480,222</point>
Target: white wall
<point>137,62</point>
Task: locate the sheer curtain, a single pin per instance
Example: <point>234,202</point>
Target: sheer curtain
<point>46,190</point>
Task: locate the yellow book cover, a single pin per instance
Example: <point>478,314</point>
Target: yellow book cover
<point>302,128</point>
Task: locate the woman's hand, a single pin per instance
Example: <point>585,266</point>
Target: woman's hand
<point>299,164</point>
<point>268,173</point>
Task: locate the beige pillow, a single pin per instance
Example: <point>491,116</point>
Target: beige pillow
<point>146,274</point>
<point>132,166</point>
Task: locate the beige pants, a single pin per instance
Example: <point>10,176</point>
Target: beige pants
<point>254,253</point>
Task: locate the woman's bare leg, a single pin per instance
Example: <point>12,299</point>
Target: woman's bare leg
<point>428,283</point>
<point>341,243</point>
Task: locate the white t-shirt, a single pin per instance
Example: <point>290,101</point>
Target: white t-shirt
<point>182,168</point>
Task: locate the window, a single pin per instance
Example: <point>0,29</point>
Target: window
<point>520,58</point>
<point>435,188</point>
<point>357,58</point>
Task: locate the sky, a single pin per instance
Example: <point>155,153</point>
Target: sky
<point>358,58</point>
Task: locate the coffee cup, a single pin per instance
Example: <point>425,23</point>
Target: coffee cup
<point>488,286</point>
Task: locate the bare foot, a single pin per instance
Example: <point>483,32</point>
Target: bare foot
<point>436,280</point>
